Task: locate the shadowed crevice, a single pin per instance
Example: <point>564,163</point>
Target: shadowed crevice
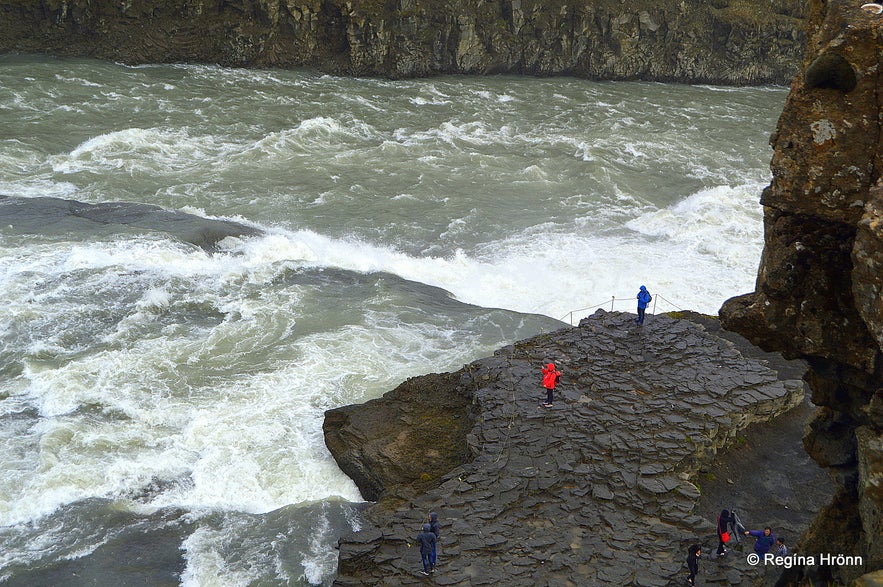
<point>831,71</point>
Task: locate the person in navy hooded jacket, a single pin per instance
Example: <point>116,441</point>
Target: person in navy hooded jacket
<point>644,298</point>
<point>434,528</point>
<point>426,540</point>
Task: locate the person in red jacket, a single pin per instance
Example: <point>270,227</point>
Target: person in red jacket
<point>551,376</point>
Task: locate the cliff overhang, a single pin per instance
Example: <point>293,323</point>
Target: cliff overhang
<point>819,291</point>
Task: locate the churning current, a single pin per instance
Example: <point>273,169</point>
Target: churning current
<point>162,391</point>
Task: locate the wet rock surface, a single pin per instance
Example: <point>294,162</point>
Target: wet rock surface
<point>819,293</point>
<point>47,215</point>
<point>768,479</point>
<point>603,488</point>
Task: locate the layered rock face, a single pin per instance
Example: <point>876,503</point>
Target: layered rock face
<point>722,41</point>
<point>600,489</point>
<point>819,292</point>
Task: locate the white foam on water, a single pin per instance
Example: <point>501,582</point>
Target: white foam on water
<point>206,564</point>
<point>318,560</point>
<point>697,253</point>
<point>47,541</point>
<point>243,547</point>
<point>166,376</point>
<point>78,81</point>
<point>724,222</point>
<point>242,440</point>
<point>36,187</point>
<point>144,151</point>
<point>421,101</point>
<point>319,134</point>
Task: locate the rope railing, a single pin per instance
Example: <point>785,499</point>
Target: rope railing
<point>623,300</point>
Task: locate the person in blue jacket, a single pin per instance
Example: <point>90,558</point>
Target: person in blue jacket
<point>644,298</point>
<point>426,540</point>
<point>764,539</point>
<point>434,528</point>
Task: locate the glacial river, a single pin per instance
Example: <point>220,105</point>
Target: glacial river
<point>161,403</point>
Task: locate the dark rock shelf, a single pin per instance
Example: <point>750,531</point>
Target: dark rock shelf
<point>601,489</point>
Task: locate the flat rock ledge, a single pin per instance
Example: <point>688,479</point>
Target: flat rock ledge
<point>601,489</point>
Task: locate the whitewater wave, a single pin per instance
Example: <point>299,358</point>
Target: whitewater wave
<point>144,151</point>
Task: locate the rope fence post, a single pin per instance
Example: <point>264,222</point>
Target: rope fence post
<point>654,301</point>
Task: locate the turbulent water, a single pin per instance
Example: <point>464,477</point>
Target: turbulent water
<point>164,372</point>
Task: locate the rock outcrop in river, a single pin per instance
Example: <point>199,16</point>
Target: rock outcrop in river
<point>601,489</point>
<point>819,292</point>
<point>722,41</point>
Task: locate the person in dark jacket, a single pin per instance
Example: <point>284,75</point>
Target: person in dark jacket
<point>693,555</point>
<point>644,298</point>
<point>426,540</point>
<point>764,539</point>
<point>551,376</point>
<point>723,522</point>
<point>434,528</point>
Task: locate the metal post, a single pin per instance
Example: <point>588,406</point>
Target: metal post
<point>612,299</point>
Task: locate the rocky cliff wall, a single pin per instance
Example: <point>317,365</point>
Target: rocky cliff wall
<point>819,291</point>
<point>694,41</point>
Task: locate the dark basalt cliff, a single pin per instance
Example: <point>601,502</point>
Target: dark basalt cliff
<point>737,42</point>
<point>819,291</point>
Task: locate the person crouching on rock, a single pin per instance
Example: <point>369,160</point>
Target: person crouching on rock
<point>551,376</point>
<point>426,540</point>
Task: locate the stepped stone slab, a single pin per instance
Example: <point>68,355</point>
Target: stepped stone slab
<point>571,495</point>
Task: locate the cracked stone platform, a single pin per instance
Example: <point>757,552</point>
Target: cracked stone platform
<point>600,489</point>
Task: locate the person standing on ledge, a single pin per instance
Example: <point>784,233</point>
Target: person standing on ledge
<point>781,549</point>
<point>426,540</point>
<point>694,553</point>
<point>551,376</point>
<point>723,536</point>
<point>764,539</point>
<point>644,298</point>
<point>434,528</point>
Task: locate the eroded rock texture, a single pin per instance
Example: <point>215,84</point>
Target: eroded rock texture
<point>601,489</point>
<point>819,292</point>
<point>723,41</point>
